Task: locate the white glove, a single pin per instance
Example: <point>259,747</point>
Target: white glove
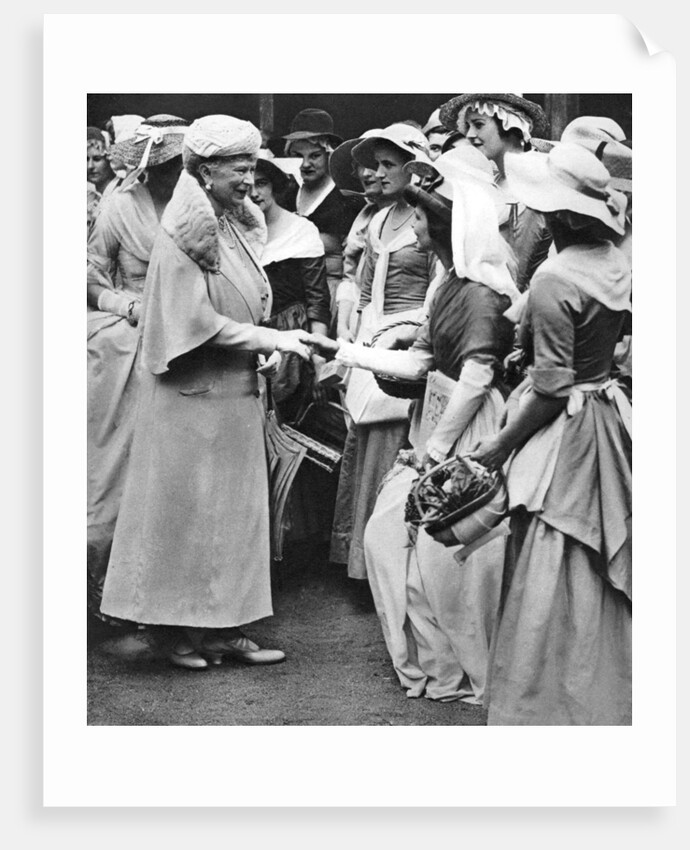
<point>472,386</point>
<point>409,365</point>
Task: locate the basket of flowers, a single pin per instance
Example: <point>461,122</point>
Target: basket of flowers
<point>457,502</point>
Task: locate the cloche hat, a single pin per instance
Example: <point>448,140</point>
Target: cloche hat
<point>155,141</point>
<point>311,123</point>
<point>568,178</point>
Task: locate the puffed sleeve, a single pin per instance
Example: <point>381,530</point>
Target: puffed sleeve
<point>178,315</point>
<point>552,307</point>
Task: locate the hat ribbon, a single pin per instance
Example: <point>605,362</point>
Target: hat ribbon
<point>152,136</point>
<point>604,196</point>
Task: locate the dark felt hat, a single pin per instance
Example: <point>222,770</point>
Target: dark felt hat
<point>451,110</point>
<point>311,123</point>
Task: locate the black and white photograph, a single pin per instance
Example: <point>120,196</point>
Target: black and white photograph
<point>350,463</point>
<point>359,405</point>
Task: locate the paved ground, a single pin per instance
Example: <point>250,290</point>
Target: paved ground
<point>337,670</point>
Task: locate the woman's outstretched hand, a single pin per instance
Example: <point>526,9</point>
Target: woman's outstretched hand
<point>490,452</point>
<point>297,342</point>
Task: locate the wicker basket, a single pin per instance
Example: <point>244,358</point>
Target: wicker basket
<point>451,518</point>
<point>399,387</point>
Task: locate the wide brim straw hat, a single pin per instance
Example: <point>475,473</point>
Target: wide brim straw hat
<point>341,162</point>
<point>451,110</point>
<point>168,134</point>
<point>409,139</point>
<point>605,138</point>
<point>568,178</point>
<point>311,124</point>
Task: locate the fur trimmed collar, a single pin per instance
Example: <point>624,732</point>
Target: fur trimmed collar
<point>191,223</point>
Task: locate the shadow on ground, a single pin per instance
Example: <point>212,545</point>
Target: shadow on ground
<point>337,671</point>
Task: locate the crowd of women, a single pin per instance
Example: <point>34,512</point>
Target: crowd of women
<point>461,289</point>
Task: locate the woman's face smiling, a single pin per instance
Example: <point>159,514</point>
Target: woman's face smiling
<point>390,161</point>
<point>314,167</point>
<point>482,133</point>
<point>232,179</point>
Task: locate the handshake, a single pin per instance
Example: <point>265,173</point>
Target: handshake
<point>306,345</point>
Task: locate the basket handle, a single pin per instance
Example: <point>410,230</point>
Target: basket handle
<point>464,457</point>
<point>424,477</point>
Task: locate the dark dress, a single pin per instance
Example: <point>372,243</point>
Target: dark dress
<point>334,216</point>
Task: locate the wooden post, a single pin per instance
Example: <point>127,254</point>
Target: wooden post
<point>561,110</point>
<point>266,114</point>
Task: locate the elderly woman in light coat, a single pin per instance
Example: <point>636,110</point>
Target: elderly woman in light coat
<point>191,547</point>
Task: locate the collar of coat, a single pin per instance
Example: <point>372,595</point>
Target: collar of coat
<point>191,223</point>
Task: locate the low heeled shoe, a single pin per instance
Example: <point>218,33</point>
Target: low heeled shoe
<point>185,656</point>
<point>241,649</point>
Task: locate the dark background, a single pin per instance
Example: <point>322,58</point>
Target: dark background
<point>352,113</point>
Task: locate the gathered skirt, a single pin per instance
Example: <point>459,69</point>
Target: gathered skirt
<point>562,652</point>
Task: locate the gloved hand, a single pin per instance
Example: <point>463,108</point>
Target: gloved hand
<point>409,365</point>
<point>473,384</point>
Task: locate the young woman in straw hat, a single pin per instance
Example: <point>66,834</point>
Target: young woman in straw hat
<point>191,546</point>
<point>437,617</point>
<point>118,253</point>
<point>395,278</point>
<point>562,650</point>
<point>498,124</point>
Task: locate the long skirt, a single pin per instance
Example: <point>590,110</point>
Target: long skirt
<point>112,396</point>
<point>562,650</point>
<point>370,452</point>
<point>192,541</point>
<point>437,616</point>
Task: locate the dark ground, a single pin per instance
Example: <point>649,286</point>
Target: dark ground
<point>337,671</point>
